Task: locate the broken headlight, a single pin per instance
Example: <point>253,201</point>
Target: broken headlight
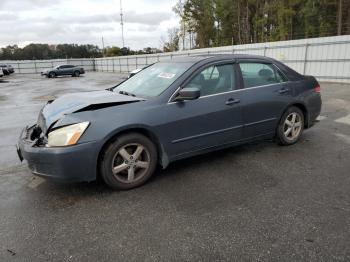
<point>67,136</point>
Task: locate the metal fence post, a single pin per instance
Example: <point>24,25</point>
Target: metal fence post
<point>19,70</point>
<point>127,64</point>
<point>120,65</point>
<point>35,66</point>
<point>305,58</point>
<point>136,62</point>
<point>265,48</point>
<point>146,60</point>
<point>113,64</point>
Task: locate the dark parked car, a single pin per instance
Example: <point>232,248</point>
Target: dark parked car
<point>169,111</point>
<point>62,70</point>
<point>7,69</point>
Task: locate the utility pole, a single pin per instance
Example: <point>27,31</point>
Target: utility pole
<point>103,47</point>
<point>340,16</point>
<point>121,22</point>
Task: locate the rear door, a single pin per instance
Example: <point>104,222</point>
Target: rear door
<point>65,70</point>
<point>266,93</point>
<point>70,69</point>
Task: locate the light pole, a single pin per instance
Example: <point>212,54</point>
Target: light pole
<point>121,22</point>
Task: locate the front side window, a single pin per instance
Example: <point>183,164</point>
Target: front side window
<point>214,80</point>
<point>153,80</point>
<point>259,74</point>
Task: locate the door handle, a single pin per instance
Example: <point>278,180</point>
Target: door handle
<point>283,90</point>
<point>232,101</point>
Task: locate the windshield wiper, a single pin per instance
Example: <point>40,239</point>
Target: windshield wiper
<point>126,93</point>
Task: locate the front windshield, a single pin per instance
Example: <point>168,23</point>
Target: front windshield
<point>153,80</point>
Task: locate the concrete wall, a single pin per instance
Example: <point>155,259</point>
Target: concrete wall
<point>327,58</point>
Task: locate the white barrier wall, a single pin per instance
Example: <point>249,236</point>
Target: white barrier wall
<point>37,66</point>
<point>327,58</point>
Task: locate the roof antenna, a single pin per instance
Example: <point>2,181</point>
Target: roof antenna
<point>121,22</point>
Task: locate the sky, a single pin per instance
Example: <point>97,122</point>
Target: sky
<point>85,22</point>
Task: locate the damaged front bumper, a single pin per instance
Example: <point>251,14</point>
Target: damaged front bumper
<point>72,163</point>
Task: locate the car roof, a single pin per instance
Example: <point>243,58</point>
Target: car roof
<point>216,57</point>
<point>208,58</point>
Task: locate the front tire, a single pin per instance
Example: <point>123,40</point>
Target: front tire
<point>52,75</point>
<point>290,127</point>
<point>128,162</point>
<point>76,74</point>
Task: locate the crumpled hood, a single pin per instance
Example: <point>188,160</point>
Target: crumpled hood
<point>71,103</point>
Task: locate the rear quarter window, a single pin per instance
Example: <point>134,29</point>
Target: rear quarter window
<point>260,74</point>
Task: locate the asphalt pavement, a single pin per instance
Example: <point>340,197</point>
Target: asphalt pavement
<point>257,202</point>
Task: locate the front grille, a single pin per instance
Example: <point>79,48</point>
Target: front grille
<point>34,135</point>
<point>27,133</point>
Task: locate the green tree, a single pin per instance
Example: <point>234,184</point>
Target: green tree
<point>199,15</point>
<point>224,22</point>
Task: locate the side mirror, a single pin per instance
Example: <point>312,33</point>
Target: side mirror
<point>189,93</point>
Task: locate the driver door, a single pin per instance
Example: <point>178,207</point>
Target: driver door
<point>212,120</point>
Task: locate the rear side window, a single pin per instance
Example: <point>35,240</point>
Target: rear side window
<point>259,74</point>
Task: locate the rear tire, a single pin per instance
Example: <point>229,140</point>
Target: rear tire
<point>128,162</point>
<point>290,126</point>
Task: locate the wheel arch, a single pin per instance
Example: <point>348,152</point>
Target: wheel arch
<point>162,156</point>
<point>303,109</point>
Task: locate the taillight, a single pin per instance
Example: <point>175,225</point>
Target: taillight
<point>317,89</point>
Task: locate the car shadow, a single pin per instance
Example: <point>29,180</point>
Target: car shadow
<point>210,158</point>
<point>177,169</point>
<point>65,76</point>
<point>199,178</point>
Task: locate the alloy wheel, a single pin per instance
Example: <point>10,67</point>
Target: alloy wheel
<point>131,163</point>
<point>292,126</point>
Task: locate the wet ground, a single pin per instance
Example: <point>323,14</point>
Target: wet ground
<point>254,202</point>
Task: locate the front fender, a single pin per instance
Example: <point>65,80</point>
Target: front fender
<point>145,130</point>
